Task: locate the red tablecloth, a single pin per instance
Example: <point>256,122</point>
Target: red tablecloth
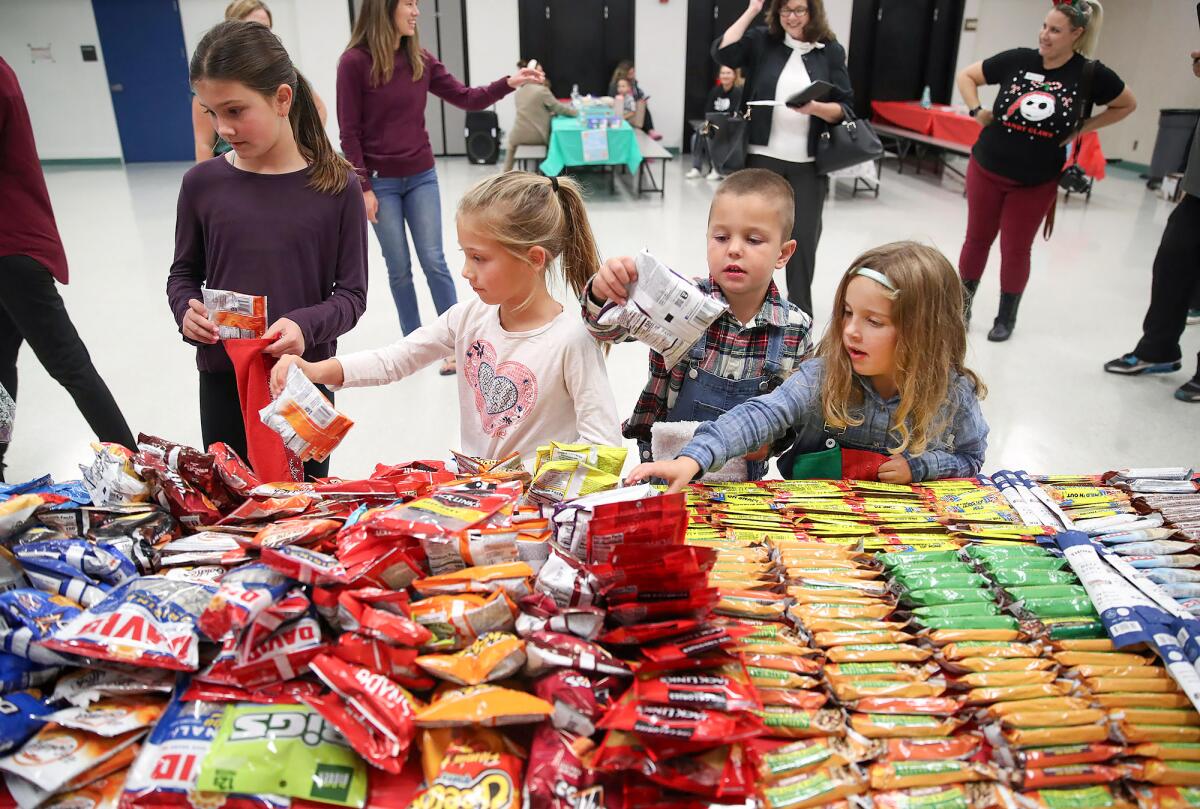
<point>943,122</point>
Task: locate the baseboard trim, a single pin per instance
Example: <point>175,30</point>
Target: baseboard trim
<point>83,161</point>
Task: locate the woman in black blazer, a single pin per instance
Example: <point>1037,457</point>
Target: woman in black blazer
<point>794,49</point>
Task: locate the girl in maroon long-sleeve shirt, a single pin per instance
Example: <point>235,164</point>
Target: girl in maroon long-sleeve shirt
<point>383,81</point>
<point>281,215</point>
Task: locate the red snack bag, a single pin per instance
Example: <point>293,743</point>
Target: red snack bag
<point>295,532</point>
<point>556,774</point>
<point>793,698</point>
<point>640,634</point>
<point>700,642</point>
<point>689,725</point>
<point>305,565</point>
<point>441,513</point>
<point>381,561</point>
<point>394,662</point>
<point>186,503</point>
<point>254,510</point>
<point>955,748</point>
<point>653,521</point>
<point>382,614</point>
<point>288,692</point>
<point>243,594</point>
<point>567,581</point>
<point>713,774</point>
<point>387,708</point>
<point>539,613</point>
<point>282,655</point>
<point>550,650</point>
<point>234,472</point>
<point>574,699</point>
<point>725,689</point>
<point>1070,775</point>
<point>696,606</point>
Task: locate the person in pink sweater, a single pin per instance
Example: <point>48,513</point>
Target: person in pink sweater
<point>383,82</point>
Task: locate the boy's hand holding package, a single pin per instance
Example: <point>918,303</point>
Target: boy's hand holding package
<point>613,281</point>
<point>196,325</point>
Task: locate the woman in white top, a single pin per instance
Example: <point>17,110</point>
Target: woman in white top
<point>795,49</point>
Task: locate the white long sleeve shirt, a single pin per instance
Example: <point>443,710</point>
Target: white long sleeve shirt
<point>789,128</point>
<point>516,390</point>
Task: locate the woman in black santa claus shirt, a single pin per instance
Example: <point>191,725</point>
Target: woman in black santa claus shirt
<point>1013,173</point>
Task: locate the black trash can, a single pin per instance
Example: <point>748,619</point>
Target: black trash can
<point>1175,131</point>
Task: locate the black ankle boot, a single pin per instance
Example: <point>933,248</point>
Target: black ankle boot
<point>1006,320</point>
<point>969,290</point>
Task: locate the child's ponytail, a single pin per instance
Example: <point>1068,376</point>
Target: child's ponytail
<point>250,54</point>
<point>522,210</point>
<point>330,171</point>
<point>580,257</point>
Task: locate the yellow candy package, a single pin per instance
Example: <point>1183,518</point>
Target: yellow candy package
<point>878,653</point>
<point>607,459</point>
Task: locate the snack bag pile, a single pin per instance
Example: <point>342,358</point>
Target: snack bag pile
<point>175,632</point>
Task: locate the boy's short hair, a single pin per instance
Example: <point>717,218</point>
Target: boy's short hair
<point>768,186</point>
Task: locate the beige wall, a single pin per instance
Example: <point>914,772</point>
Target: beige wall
<point>1146,42</point>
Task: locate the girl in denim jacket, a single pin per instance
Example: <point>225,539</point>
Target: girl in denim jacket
<point>888,396</point>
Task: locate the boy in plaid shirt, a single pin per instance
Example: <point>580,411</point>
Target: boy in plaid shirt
<point>751,348</point>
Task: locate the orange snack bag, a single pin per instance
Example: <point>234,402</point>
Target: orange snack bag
<point>494,656</point>
<point>486,705</point>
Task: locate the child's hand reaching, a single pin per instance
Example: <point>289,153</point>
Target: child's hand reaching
<point>280,371</point>
<point>760,454</point>
<point>613,281</point>
<point>895,470</point>
<point>287,337</point>
<point>677,473</point>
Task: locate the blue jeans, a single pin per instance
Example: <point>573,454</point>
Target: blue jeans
<point>416,201</point>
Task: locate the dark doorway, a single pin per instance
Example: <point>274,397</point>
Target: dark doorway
<point>707,20</point>
<point>901,47</point>
<point>577,42</point>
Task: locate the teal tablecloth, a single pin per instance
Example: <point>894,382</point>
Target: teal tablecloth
<point>566,147</point>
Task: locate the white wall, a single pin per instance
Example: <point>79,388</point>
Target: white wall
<point>660,53</point>
<point>68,99</point>
<point>315,33</point>
<point>838,13</point>
<point>1147,42</point>
<point>493,48</point>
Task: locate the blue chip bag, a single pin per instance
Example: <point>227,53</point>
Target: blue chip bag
<point>17,673</point>
<point>27,616</point>
<point>20,717</point>
<point>99,561</point>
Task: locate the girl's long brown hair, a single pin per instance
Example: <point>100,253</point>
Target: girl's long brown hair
<point>375,30</point>
<point>815,30</point>
<point>521,210</point>
<point>250,54</point>
<point>931,345</point>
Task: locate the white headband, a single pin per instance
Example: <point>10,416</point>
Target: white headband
<point>876,276</point>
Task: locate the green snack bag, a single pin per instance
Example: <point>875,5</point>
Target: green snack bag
<point>932,581</point>
<point>1075,607</point>
<point>1002,551</point>
<point>283,750</point>
<point>1076,630</point>
<point>931,598</point>
<point>1046,591</point>
<point>969,622</point>
<point>951,610</point>
<point>891,561</point>
<point>1020,577</point>
<point>1024,563</point>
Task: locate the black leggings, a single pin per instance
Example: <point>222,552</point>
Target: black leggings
<point>32,311</point>
<point>1176,280</point>
<point>221,417</point>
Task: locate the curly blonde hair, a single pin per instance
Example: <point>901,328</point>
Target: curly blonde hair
<point>931,345</point>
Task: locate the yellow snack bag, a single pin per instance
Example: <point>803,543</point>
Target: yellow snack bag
<point>1171,773</point>
<point>1084,645</point>
<point>987,648</point>
<point>827,639</point>
<point>1102,659</point>
<point>975,664</point>
<point>878,652</point>
<point>1046,718</point>
<point>904,774</point>
<point>1120,699</point>
<point>991,679</point>
<point>1160,716</point>
<point>903,726</point>
<point>1042,737</point>
<point>486,705</point>
<point>491,657</point>
<point>1173,751</point>
<point>848,690</point>
<point>983,696</point>
<point>1104,685</point>
<point>1137,734</point>
<point>1001,709</point>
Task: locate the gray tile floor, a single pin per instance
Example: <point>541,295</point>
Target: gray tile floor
<point>1051,407</point>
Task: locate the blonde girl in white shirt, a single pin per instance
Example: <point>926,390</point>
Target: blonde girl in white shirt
<point>529,372</point>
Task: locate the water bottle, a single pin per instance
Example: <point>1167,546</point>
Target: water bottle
<point>926,99</point>
<point>576,100</point>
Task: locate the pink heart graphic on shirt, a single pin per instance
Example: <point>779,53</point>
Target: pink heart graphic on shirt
<point>505,392</point>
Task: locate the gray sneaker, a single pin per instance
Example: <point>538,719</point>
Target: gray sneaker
<point>1130,365</point>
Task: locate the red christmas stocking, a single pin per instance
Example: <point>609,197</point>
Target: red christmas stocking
<point>268,457</point>
<point>861,464</point>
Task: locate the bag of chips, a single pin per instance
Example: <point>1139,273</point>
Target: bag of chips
<point>486,705</point>
<point>493,656</point>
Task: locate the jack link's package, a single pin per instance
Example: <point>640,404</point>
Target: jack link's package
<point>665,311</point>
<point>236,316</point>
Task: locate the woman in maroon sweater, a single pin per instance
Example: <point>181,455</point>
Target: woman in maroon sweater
<point>383,81</point>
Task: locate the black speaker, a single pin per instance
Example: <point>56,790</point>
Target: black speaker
<point>483,137</point>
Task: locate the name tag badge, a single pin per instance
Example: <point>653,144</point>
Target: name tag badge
<point>1035,77</point>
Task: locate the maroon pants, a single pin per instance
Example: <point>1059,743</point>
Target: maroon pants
<point>997,204</point>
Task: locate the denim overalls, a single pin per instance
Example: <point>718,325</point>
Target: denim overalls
<point>705,396</point>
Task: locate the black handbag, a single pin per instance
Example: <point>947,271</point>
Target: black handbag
<point>728,138</point>
<point>847,144</point>
<point>1073,179</point>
